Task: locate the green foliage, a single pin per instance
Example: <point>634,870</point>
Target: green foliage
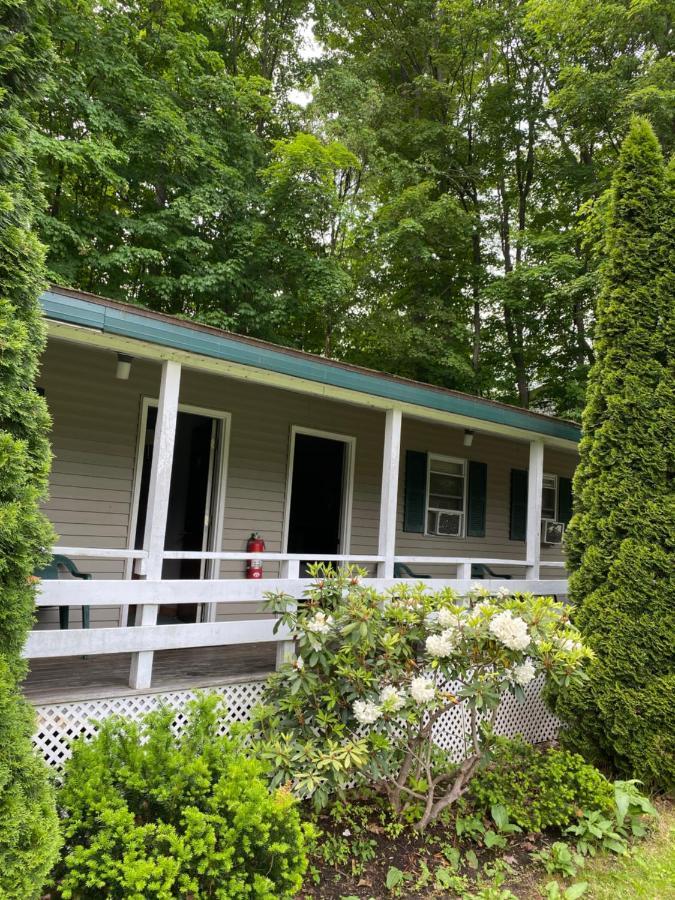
<point>29,835</point>
<point>156,122</point>
<point>646,873</point>
<point>395,880</point>
<point>29,828</point>
<point>372,677</point>
<point>540,789</point>
<point>553,891</point>
<point>560,859</point>
<point>484,128</point>
<point>620,539</point>
<point>447,243</point>
<point>309,192</point>
<point>597,831</point>
<point>153,815</point>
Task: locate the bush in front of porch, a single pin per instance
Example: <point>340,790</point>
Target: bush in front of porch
<point>149,813</point>
<point>377,675</point>
<point>620,541</point>
<point>29,833</point>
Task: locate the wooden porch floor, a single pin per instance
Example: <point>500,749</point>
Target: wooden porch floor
<point>84,678</point>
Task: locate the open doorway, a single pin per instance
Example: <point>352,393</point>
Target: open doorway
<point>196,495</point>
<point>319,497</point>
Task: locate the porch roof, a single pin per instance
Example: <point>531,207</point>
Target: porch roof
<point>131,322</point>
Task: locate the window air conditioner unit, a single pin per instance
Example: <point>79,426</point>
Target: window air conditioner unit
<point>449,523</point>
<point>552,532</point>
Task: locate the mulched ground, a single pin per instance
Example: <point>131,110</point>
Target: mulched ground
<point>355,853</point>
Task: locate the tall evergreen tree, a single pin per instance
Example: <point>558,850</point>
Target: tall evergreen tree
<point>621,541</point>
<point>29,833</point>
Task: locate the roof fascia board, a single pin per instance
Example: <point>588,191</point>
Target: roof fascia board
<point>221,368</point>
<point>149,332</point>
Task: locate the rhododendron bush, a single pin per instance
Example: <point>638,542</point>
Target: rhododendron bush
<point>375,672</point>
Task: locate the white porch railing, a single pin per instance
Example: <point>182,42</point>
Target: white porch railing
<point>151,591</point>
<point>222,592</point>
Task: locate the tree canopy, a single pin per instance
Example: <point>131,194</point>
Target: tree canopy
<point>432,210</point>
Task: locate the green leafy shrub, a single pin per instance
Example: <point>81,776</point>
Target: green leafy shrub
<point>153,815</point>
<point>374,672</point>
<point>596,831</point>
<point>541,789</point>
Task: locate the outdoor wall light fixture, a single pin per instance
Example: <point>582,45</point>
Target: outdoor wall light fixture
<point>123,366</point>
<point>468,437</point>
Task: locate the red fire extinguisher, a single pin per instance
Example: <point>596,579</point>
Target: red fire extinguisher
<point>254,567</point>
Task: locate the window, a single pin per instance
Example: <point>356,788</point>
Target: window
<point>549,498</point>
<point>446,496</point>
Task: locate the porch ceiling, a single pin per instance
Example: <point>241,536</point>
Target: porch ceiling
<point>85,318</point>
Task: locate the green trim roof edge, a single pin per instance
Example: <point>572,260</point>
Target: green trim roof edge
<point>125,320</point>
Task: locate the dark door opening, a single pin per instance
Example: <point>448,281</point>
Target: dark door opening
<point>189,500</point>
<point>315,520</point>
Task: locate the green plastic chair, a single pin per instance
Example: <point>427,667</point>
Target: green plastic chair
<point>50,572</point>
<point>480,570</point>
<point>403,571</point>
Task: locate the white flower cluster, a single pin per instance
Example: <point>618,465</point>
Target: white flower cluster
<point>320,623</point>
<point>366,712</point>
<point>524,673</point>
<point>448,619</point>
<point>422,689</point>
<point>443,644</point>
<point>391,699</point>
<point>510,630</point>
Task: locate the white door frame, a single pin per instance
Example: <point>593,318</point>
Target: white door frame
<point>217,504</point>
<point>347,483</point>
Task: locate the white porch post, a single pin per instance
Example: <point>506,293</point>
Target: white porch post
<point>535,480</point>
<point>290,568</point>
<point>389,493</point>
<point>464,571</point>
<point>140,675</point>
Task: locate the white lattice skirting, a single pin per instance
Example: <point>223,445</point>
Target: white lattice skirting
<point>59,724</point>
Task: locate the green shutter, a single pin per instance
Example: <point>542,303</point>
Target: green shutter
<point>518,523</point>
<point>477,500</point>
<point>564,499</point>
<point>415,499</point>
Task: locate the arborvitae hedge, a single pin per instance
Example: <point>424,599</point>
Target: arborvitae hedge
<point>621,540</point>
<point>29,833</point>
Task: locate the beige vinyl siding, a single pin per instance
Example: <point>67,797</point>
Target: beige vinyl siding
<point>95,434</point>
<point>500,456</point>
<point>95,438</point>
<point>95,420</point>
<point>259,458</point>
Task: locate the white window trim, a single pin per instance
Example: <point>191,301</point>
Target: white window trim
<point>463,463</point>
<point>555,492</point>
<point>347,484</point>
<point>219,487</point>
